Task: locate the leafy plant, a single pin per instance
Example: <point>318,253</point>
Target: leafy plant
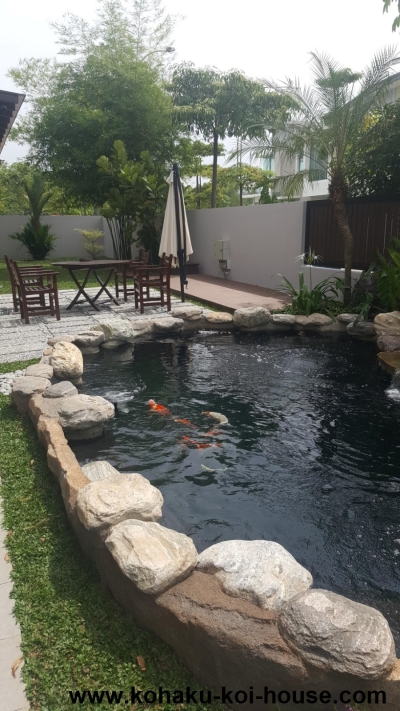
<point>35,236</point>
<point>324,297</point>
<point>388,277</point>
<point>136,201</point>
<point>91,246</point>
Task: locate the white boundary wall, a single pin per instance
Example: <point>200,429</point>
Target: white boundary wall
<point>264,242</point>
<point>68,244</point>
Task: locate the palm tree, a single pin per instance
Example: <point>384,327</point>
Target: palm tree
<point>325,125</point>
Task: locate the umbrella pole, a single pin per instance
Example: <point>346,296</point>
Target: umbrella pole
<point>178,195</point>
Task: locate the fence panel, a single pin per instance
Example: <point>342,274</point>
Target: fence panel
<point>374,222</point>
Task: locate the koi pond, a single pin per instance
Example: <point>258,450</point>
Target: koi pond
<point>310,457</point>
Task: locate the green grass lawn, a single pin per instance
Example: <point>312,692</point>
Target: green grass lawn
<point>74,635</point>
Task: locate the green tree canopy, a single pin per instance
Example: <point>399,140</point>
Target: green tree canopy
<point>217,104</point>
<point>109,88</point>
<point>326,126</point>
<point>386,5</point>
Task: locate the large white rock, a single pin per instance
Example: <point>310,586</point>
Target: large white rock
<point>167,324</point>
<point>152,556</point>
<point>117,498</point>
<point>89,341</point>
<point>337,634</point>
<point>219,317</point>
<point>123,331</point>
<point>262,572</point>
<point>388,323</point>
<point>187,312</point>
<point>251,317</point>
<point>67,361</point>
<point>80,412</point>
<point>283,319</point>
<point>99,470</point>
<point>315,320</point>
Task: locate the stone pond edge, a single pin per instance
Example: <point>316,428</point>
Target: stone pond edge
<point>223,640</point>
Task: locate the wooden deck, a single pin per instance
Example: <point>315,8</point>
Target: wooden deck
<point>229,295</point>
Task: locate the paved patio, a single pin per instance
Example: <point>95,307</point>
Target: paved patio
<point>229,295</point>
<point>19,341</point>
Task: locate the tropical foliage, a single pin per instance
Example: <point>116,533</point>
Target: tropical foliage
<point>107,87</point>
<point>323,298</point>
<point>135,200</point>
<point>35,236</point>
<point>388,277</point>
<point>91,245</point>
<point>386,5</point>
<point>217,104</point>
<point>324,127</point>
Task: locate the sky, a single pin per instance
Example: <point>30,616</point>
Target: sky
<point>264,38</point>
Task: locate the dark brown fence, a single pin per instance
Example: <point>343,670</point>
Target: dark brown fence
<point>374,222</point>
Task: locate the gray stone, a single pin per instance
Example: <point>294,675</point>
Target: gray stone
<point>388,342</point>
<point>152,556</point>
<point>93,432</point>
<point>111,345</point>
<point>23,389</point>
<point>80,412</point>
<point>67,361</point>
<point>337,634</point>
<point>117,498</point>
<point>346,318</point>
<point>167,324</point>
<point>262,572</point>
<point>122,331</point>
<point>283,319</point>
<point>60,339</point>
<point>219,317</point>
<point>62,389</point>
<point>364,330</point>
<point>89,339</point>
<point>252,317</point>
<point>40,370</point>
<point>99,470</point>
<point>188,313</point>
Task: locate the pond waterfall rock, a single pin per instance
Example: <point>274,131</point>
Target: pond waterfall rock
<point>337,634</point>
<point>89,341</point>
<point>219,318</point>
<point>253,317</point>
<point>388,342</point>
<point>262,572</point>
<point>116,498</point>
<point>283,319</point>
<point>62,389</point>
<point>314,320</point>
<point>67,361</point>
<point>83,416</point>
<point>121,331</point>
<point>364,330</point>
<point>152,556</point>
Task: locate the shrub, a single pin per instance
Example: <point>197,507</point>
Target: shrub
<point>323,298</point>
<point>36,238</point>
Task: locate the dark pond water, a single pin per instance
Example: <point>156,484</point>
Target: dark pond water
<point>310,458</point>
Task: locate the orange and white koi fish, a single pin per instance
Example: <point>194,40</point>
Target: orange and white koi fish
<point>155,407</point>
<point>184,422</point>
<point>197,445</point>
<point>221,419</point>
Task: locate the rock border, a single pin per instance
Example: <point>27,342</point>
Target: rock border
<point>225,641</point>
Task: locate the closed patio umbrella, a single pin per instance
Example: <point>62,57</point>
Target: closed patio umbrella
<point>175,237</point>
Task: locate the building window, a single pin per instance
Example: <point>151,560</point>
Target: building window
<point>269,164</point>
<point>318,164</point>
<point>301,161</point>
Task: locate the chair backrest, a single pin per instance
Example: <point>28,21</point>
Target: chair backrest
<point>14,272</point>
<point>166,261</point>
<point>144,256</point>
<point>8,265</point>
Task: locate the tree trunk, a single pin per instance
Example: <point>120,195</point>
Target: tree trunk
<point>240,194</point>
<point>197,192</point>
<point>338,194</point>
<point>214,172</point>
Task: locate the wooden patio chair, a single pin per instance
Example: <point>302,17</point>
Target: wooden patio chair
<point>150,277</point>
<point>32,292</point>
<point>127,273</point>
<point>30,273</point>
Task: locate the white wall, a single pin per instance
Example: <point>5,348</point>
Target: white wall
<point>68,244</point>
<point>264,240</point>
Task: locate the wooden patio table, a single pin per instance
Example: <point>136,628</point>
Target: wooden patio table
<point>92,267</point>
